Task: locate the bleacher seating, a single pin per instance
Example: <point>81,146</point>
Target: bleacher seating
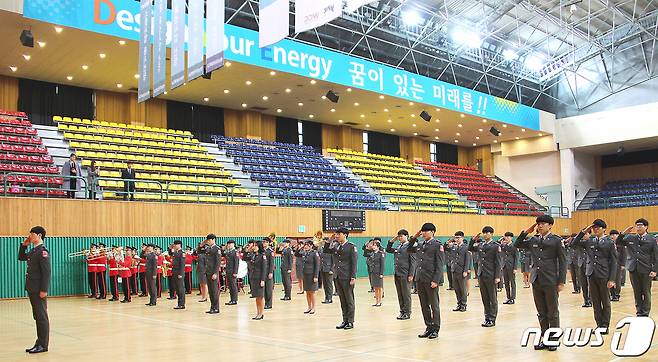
<point>475,186</point>
<point>169,164</point>
<point>25,165</point>
<point>403,184</point>
<point>628,193</point>
<point>296,175</point>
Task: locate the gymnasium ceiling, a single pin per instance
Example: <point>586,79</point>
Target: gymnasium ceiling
<point>65,53</point>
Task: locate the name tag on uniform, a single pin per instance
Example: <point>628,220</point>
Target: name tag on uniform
<point>591,246</point>
<point>535,245</point>
<point>630,243</point>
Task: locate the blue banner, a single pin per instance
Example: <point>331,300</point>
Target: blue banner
<point>178,31</point>
<point>159,47</point>
<point>120,18</point>
<point>144,84</point>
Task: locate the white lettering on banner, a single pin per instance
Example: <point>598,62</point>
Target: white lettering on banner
<point>440,93</point>
<point>358,73</point>
<point>467,101</point>
<point>453,97</point>
<point>319,67</point>
<point>402,83</point>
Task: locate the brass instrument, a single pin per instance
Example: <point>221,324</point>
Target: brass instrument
<point>87,252</point>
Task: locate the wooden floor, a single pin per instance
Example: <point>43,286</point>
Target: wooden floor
<point>83,329</point>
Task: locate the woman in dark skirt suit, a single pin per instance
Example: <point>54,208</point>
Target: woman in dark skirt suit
<point>259,275</point>
<point>377,271</point>
<point>299,266</point>
<point>311,267</point>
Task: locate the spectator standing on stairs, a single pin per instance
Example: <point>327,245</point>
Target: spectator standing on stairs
<point>70,170</point>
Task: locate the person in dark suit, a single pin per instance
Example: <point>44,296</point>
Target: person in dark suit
<point>310,271</point>
<point>429,275</point>
<point>510,260</point>
<point>178,272</point>
<point>70,171</point>
<point>601,269</point>
<point>232,265</point>
<point>200,254</point>
<point>346,264</point>
<point>327,275</point>
<point>459,268</point>
<point>488,272</point>
<point>642,263</point>
<point>367,253</point>
<point>621,266</point>
<point>377,264</point>
<point>269,282</point>
<point>151,274</point>
<point>259,274</point>
<point>548,272</point>
<point>286,268</point>
<point>128,175</point>
<point>404,271</point>
<point>212,272</point>
<point>37,282</point>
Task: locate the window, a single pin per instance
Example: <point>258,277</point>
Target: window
<point>433,157</point>
<point>300,132</point>
<point>365,141</point>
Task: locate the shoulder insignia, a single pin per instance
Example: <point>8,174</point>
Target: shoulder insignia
<point>499,250</point>
<point>44,253</point>
<point>441,247</point>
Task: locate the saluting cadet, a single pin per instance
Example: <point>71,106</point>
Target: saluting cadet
<point>189,258</point>
<point>346,261</point>
<point>405,269</point>
<point>510,258</point>
<point>548,272</point>
<point>488,272</point>
<point>366,254</point>
<point>601,268</point>
<point>459,268</point>
<point>327,275</point>
<point>37,282</point>
<point>524,256</point>
<point>286,268</point>
<point>429,275</point>
<point>642,264</point>
<point>621,266</point>
<point>212,272</point>
<point>574,267</point>
<point>232,265</point>
<point>178,273</point>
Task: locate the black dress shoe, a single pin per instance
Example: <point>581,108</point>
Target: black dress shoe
<point>425,334</point>
<point>31,348</point>
<point>300,293</point>
<point>341,326</point>
<point>91,296</point>
<point>414,292</point>
<point>143,295</point>
<point>540,346</point>
<point>457,309</point>
<point>450,288</point>
<point>258,318</point>
<point>606,329</point>
<point>179,307</point>
<point>113,299</point>
<point>125,301</point>
<point>38,349</point>
<point>150,304</point>
<point>587,305</point>
<point>488,324</point>
<point>286,298</point>
<point>268,307</point>
<point>400,315</point>
<point>171,298</point>
<point>552,348</point>
<point>203,300</point>
<point>212,311</point>
<point>433,335</point>
<point>404,317</point>
<point>614,299</point>
<point>462,309</point>
<point>348,326</point>
<point>327,302</point>
<point>576,292</point>
<point>231,303</point>
<point>509,301</point>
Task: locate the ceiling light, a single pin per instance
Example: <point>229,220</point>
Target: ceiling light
<point>385,109</point>
<point>244,105</point>
<point>467,38</point>
<point>500,133</point>
<point>119,85</point>
<point>522,129</point>
<point>41,44</point>
<point>226,91</point>
<point>356,104</point>
<point>495,141</point>
<point>288,90</point>
<point>412,115</point>
<point>411,18</point>
<point>484,121</point>
<point>413,125</point>
<point>461,115</point>
<point>349,89</point>
<point>206,99</point>
<point>411,103</point>
<point>459,125</point>
<point>415,134</point>
<point>389,121</point>
<point>323,97</point>
<point>102,55</point>
<point>27,56</point>
<point>85,67</point>
<point>367,125</point>
<point>300,104</point>
<point>475,144</point>
<point>310,116</point>
<point>228,64</point>
<point>265,98</point>
<point>456,141</point>
<point>437,109</point>
<point>122,42</point>
<point>247,82</point>
<point>69,77</point>
<point>279,110</point>
<point>436,137</point>
<point>477,137</point>
<point>436,130</point>
<point>504,126</point>
<point>363,116</point>
<point>165,92</point>
<point>534,62</point>
<point>136,76</point>
<point>509,54</point>
<point>437,120</point>
<point>333,110</point>
<point>13,68</point>
<point>381,96</point>
<point>516,138</point>
<point>392,129</point>
<point>540,134</point>
<point>458,134</point>
<point>340,121</point>
<point>313,81</point>
<point>480,129</point>
<point>272,72</point>
<point>58,29</point>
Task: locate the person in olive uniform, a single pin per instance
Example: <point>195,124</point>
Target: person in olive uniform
<point>151,275</point>
<point>310,271</point>
<point>377,264</point>
<point>488,272</point>
<point>574,267</point>
<point>405,269</point>
<point>459,268</point>
<point>232,265</point>
<point>601,269</point>
<point>178,272</point>
<point>429,275</point>
<point>299,266</point>
<point>621,266</point>
<point>286,268</point>
<point>200,253</point>
<point>510,258</point>
<point>525,267</point>
<point>346,259</point>
<point>450,256</point>
<point>327,275</point>
<point>212,272</point>
<point>259,275</point>
<point>37,282</point>
<point>548,272</point>
<point>269,282</point>
<point>367,253</point>
<point>642,263</point>
<point>582,277</point>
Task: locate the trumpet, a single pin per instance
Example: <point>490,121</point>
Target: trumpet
<point>86,252</point>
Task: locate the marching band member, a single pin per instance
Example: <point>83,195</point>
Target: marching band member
<point>125,273</point>
<point>160,259</point>
<point>134,270</point>
<point>112,260</point>
<point>141,270</point>
<point>189,258</point>
<point>167,265</point>
<point>101,268</point>
<point>91,271</point>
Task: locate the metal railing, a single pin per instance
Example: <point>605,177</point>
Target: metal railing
<point>529,209</point>
<point>418,203</point>
<point>562,211</point>
<point>288,195</point>
<point>48,185</point>
<point>627,200</point>
<point>198,187</point>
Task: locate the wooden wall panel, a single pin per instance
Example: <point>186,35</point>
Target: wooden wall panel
<point>124,108</point>
<point>412,149</point>
<point>8,93</point>
<point>268,127</point>
<point>249,124</point>
<point>646,170</point>
<point>330,136</point>
<point>63,217</point>
<point>342,137</point>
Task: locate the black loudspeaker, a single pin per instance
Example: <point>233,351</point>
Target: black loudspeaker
<point>333,97</point>
<point>494,131</point>
<point>207,75</point>
<point>425,116</point>
<point>27,39</point>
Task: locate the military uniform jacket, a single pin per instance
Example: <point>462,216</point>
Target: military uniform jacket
<point>450,253</point>
<point>642,252</point>
<point>311,261</point>
<point>367,254</point>
<point>151,264</point>
<point>260,266</point>
<point>490,262</point>
<point>345,257</point>
<point>377,263</point>
<point>37,277</point>
<point>431,259</point>
<point>621,251</point>
<point>404,261</point>
<point>602,257</point>
<point>232,261</point>
<point>548,259</point>
<point>326,261</point>
<point>510,256</point>
<point>201,264</point>
<point>212,259</point>
<point>178,264</point>
<point>461,260</point>
<point>286,259</point>
<point>270,260</point>
<point>573,255</point>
